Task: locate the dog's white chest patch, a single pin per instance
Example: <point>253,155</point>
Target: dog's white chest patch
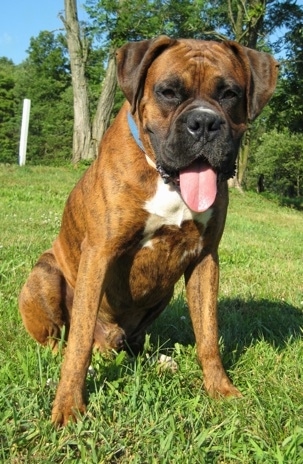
<point>166,207</point>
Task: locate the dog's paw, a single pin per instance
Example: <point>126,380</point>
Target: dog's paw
<point>221,386</point>
<point>67,408</point>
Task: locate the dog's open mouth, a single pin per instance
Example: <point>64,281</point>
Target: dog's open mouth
<point>197,183</point>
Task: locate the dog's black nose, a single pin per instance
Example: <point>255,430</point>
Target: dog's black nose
<point>203,123</point>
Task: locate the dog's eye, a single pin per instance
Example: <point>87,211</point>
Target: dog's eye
<point>169,94</point>
<point>231,93</point>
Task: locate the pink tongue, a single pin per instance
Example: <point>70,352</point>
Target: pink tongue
<point>198,184</point>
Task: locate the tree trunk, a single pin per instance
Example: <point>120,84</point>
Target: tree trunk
<point>86,136</point>
<point>78,48</point>
<point>105,104</point>
<point>243,156</point>
<point>247,24</point>
<point>234,183</point>
<point>255,24</point>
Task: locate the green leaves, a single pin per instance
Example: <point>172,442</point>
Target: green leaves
<point>8,127</point>
<point>120,21</point>
<point>279,158</point>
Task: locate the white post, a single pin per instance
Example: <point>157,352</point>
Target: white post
<point>24,131</point>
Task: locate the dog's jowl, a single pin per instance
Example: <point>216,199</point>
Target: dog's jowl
<point>150,209</point>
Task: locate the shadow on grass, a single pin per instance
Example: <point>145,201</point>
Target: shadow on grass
<point>244,323</point>
<point>241,322</point>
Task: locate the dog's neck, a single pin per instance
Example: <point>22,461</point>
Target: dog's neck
<point>167,178</point>
<point>135,133</point>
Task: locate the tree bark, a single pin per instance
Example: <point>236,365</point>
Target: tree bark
<point>246,26</point>
<point>78,48</point>
<point>105,104</point>
<point>86,136</point>
<point>243,156</point>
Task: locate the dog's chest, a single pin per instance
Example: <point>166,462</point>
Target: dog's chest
<point>166,208</point>
<point>172,239</point>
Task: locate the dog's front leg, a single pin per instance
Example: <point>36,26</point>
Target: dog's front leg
<point>202,290</point>
<point>88,293</point>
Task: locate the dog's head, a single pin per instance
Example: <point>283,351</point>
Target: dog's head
<point>192,101</point>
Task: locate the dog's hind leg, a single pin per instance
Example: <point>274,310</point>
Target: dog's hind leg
<point>44,301</point>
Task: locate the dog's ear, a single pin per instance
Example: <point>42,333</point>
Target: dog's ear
<point>133,61</point>
<point>262,73</point>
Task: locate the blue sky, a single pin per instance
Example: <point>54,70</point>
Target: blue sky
<point>22,19</point>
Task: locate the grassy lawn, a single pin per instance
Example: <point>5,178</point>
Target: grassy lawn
<point>139,413</point>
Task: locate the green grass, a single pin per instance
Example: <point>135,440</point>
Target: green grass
<point>138,413</point>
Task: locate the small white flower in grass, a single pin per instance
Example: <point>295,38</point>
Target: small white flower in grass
<point>91,371</point>
<point>51,383</point>
<point>164,362</point>
<point>167,362</point>
<point>183,318</point>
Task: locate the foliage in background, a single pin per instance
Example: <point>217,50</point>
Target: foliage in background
<point>8,124</point>
<point>45,78</point>
<point>279,159</point>
<point>287,103</point>
<point>116,22</point>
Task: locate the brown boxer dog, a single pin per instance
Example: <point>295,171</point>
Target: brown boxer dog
<point>150,209</point>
